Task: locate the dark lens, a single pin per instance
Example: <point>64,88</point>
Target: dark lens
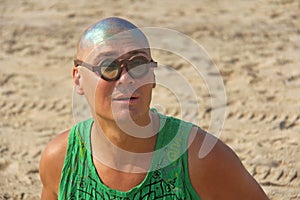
<point>109,69</point>
<point>138,67</point>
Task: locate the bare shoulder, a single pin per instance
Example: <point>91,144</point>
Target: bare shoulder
<point>51,164</point>
<point>216,172</point>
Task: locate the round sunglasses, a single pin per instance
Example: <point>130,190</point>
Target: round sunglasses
<point>111,70</point>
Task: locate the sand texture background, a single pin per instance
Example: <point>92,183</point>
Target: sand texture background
<point>255,44</point>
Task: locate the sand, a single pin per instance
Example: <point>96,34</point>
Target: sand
<point>254,44</point>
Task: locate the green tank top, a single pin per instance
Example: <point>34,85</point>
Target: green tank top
<point>168,178</point>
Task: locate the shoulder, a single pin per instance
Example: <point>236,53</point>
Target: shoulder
<point>216,172</point>
<point>52,161</point>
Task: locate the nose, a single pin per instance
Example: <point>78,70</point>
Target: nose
<point>125,78</point>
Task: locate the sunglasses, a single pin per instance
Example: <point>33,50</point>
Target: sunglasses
<point>111,70</point>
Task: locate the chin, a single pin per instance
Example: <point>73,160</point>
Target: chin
<point>125,115</point>
<point>128,115</point>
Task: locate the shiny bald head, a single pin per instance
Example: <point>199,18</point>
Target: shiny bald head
<point>109,29</point>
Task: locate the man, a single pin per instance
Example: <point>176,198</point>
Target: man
<point>127,150</point>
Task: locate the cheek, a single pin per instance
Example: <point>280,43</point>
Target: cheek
<point>148,82</point>
<point>103,94</point>
<point>88,82</point>
<point>146,90</point>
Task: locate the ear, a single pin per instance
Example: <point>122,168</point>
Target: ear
<point>76,79</point>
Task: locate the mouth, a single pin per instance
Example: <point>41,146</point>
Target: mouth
<point>126,98</point>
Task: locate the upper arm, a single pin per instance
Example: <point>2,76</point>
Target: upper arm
<point>51,164</point>
<point>220,174</point>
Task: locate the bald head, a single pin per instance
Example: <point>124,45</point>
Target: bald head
<point>108,29</point>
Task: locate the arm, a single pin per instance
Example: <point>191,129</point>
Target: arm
<point>51,164</point>
<point>220,174</point>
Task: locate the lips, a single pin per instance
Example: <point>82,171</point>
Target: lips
<point>125,98</point>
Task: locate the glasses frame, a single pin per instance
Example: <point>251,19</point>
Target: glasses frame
<point>124,63</point>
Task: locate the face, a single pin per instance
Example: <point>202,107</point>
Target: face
<point>125,98</point>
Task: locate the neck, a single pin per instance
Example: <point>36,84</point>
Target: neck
<point>123,145</point>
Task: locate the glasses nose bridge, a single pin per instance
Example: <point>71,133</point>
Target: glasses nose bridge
<point>124,64</point>
<point>125,75</point>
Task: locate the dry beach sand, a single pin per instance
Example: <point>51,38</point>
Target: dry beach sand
<point>255,45</point>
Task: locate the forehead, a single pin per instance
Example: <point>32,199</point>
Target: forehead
<point>116,46</point>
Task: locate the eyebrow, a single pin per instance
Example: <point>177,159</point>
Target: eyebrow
<point>107,53</point>
<point>116,54</point>
<point>112,53</point>
<point>136,52</point>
